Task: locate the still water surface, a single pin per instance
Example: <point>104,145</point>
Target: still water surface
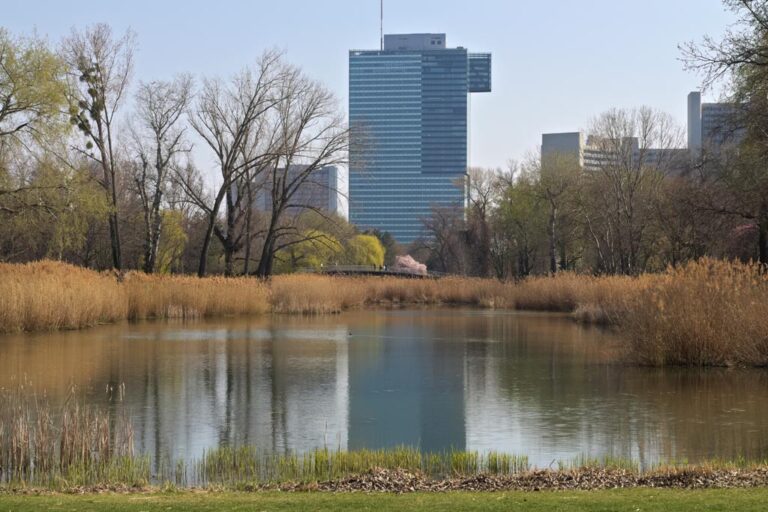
<point>528,384</point>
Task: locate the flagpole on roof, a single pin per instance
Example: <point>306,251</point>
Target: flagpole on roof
<point>381,25</point>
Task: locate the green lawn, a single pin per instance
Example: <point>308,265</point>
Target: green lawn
<point>642,500</point>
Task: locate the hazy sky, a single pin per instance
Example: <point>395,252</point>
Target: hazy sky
<point>556,63</point>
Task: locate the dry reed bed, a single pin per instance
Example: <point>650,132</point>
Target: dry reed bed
<point>190,297</point>
<point>594,299</point>
<point>708,312</point>
<point>48,295</point>
<point>312,294</point>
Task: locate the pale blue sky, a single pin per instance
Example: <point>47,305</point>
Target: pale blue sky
<point>557,63</point>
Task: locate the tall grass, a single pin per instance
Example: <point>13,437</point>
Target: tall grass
<point>705,313</point>
<point>246,465</point>
<point>313,294</point>
<point>47,295</point>
<point>70,446</point>
<point>708,313</point>
<point>190,297</point>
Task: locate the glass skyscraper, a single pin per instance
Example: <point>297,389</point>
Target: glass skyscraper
<point>408,109</point>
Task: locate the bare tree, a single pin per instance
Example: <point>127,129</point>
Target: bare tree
<point>231,118</point>
<point>158,138</point>
<point>308,134</point>
<point>100,71</point>
<point>742,47</point>
<point>519,222</point>
<point>446,241</point>
<point>635,150</point>
<point>484,188</point>
<point>558,175</point>
<point>740,187</point>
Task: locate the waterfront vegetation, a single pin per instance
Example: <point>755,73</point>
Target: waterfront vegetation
<point>704,313</point>
<point>73,447</point>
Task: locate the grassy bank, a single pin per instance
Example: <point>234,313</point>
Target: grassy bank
<point>705,313</point>
<point>647,500</point>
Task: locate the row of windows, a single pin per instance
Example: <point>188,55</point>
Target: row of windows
<point>394,201</point>
<point>383,106</point>
<point>394,208</point>
<point>437,181</point>
<point>449,188</point>
<point>382,194</point>
<point>410,183</point>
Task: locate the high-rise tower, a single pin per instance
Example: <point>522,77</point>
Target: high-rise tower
<point>408,111</point>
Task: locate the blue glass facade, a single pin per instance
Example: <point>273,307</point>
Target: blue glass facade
<point>479,72</point>
<point>410,108</point>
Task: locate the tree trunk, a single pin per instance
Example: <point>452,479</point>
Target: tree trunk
<point>268,252</point>
<point>267,257</point>
<point>201,268</point>
<point>553,240</point>
<point>248,213</point>
<point>229,260</point>
<point>157,228</point>
<point>114,238</point>
<point>148,265</point>
<point>230,245</point>
<point>114,228</point>
<point>154,222</point>
<point>265,265</point>
<point>762,228</point>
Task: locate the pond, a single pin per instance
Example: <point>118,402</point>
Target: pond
<point>528,384</point>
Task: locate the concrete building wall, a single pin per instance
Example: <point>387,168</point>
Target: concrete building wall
<point>694,121</point>
<point>569,143</point>
<point>414,42</point>
<point>326,189</point>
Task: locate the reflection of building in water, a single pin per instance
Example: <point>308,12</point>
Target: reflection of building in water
<point>406,386</point>
<point>535,385</point>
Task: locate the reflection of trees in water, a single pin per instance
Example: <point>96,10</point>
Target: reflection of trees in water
<point>435,378</point>
<point>190,387</point>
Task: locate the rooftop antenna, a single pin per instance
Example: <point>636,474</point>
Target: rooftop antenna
<point>381,25</point>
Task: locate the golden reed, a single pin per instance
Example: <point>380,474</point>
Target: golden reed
<point>50,296</point>
<point>708,312</point>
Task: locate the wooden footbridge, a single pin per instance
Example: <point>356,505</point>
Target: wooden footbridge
<point>369,270</point>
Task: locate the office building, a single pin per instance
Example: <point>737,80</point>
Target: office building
<point>325,189</point>
<point>408,112</point>
<point>594,153</point>
<point>712,126</point>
